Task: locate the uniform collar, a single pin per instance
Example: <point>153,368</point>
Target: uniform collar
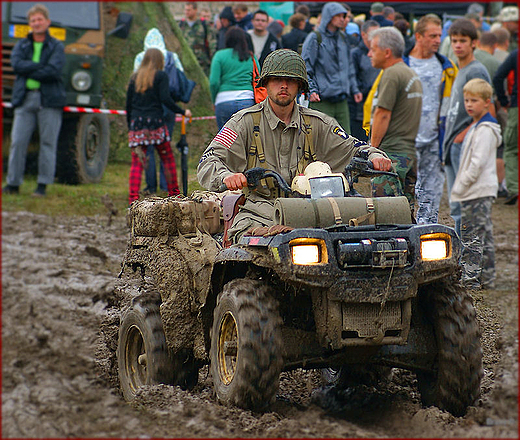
<point>274,120</point>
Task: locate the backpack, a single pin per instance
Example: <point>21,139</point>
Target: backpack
<point>180,86</point>
<point>319,39</point>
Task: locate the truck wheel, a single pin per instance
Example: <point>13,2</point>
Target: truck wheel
<point>83,147</point>
<point>92,144</point>
<point>246,345</point>
<point>143,356</point>
<point>455,382</point>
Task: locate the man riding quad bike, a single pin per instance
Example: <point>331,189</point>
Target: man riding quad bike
<point>326,279</point>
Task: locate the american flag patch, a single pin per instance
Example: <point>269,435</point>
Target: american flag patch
<point>226,137</point>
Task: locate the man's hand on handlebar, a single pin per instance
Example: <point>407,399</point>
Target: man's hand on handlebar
<point>236,181</point>
<point>382,164</point>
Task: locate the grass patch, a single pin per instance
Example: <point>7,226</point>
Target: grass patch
<point>72,200</point>
<point>80,200</point>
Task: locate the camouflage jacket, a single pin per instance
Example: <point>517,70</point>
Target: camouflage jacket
<point>202,39</point>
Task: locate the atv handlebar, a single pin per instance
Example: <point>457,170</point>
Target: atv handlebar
<point>358,166</point>
<point>254,175</point>
<point>365,168</point>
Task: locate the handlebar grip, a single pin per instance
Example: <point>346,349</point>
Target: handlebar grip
<point>223,187</point>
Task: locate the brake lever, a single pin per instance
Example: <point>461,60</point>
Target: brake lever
<point>254,175</point>
<point>365,168</point>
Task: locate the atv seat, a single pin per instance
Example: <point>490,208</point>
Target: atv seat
<point>230,205</point>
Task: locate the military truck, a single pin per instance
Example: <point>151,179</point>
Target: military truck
<point>84,138</point>
<point>341,282</point>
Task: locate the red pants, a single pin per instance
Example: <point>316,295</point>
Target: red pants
<point>170,171</point>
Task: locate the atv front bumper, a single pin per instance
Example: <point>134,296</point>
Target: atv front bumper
<point>362,279</point>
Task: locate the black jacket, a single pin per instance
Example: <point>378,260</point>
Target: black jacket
<point>48,71</point>
<point>509,64</point>
<point>271,44</point>
<point>293,39</point>
<point>308,27</point>
<point>150,103</point>
<point>221,38</point>
<point>382,20</point>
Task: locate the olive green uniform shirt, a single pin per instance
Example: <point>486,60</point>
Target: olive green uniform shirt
<point>283,147</point>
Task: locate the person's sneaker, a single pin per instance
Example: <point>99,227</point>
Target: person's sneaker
<point>511,199</point>
<point>10,189</point>
<point>40,190</point>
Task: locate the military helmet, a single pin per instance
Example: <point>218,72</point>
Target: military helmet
<point>286,63</point>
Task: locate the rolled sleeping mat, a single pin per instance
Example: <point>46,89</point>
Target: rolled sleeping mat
<point>330,211</point>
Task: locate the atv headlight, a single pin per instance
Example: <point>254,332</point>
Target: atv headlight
<point>435,246</point>
<point>81,80</point>
<point>327,186</point>
<point>308,251</point>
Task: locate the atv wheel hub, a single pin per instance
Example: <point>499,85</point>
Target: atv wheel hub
<point>227,348</point>
<point>136,358</point>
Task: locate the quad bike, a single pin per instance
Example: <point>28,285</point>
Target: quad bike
<point>342,283</point>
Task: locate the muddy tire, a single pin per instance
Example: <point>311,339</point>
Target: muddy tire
<point>332,376</point>
<point>246,345</point>
<point>143,356</point>
<point>352,375</point>
<point>455,383</point>
<point>83,147</point>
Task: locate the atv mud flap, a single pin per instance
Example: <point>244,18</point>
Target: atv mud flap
<point>366,313</point>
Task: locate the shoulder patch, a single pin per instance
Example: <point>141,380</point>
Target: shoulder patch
<point>340,132</point>
<point>208,153</point>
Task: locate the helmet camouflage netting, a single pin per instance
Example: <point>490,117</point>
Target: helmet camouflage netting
<point>284,63</point>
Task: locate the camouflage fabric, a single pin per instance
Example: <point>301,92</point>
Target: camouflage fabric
<point>478,253</point>
<point>202,42</point>
<point>511,150</point>
<point>405,165</point>
<point>430,181</point>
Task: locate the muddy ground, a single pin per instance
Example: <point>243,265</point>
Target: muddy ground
<point>58,277</point>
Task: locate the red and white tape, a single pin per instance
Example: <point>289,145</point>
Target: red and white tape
<point>93,110</point>
<point>109,112</point>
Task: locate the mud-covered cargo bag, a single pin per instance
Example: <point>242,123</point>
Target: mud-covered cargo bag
<point>330,211</point>
<point>155,216</point>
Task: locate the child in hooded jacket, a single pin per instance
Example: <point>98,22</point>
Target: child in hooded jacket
<point>476,186</point>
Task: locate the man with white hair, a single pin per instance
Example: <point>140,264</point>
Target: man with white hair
<point>396,112</point>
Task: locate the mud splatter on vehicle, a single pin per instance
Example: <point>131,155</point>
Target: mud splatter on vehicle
<point>56,365</point>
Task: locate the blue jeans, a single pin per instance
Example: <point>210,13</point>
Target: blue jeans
<point>224,110</point>
<point>451,172</point>
<point>150,172</point>
<point>26,118</point>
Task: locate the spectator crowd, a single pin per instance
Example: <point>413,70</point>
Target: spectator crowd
<point>426,92</point>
